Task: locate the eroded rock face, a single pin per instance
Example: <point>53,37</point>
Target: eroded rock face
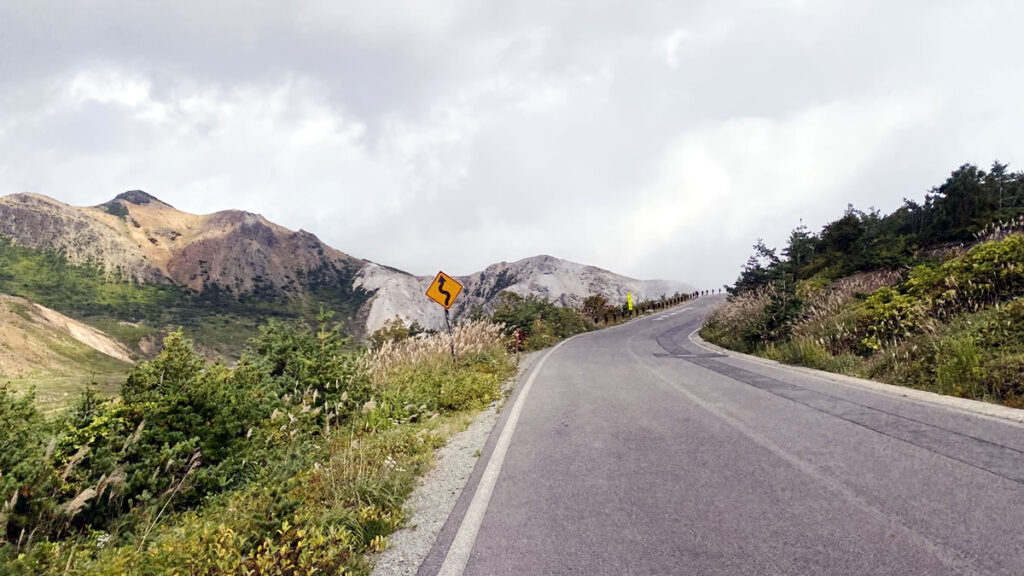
<point>561,281</point>
<point>146,240</point>
<point>83,234</point>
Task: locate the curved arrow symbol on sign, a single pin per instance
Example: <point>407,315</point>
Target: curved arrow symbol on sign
<point>447,294</point>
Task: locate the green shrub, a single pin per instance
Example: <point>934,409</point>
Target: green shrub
<point>1004,379</point>
<point>887,316</point>
<point>1003,327</point>
<point>988,273</point>
<point>296,461</point>
<point>543,322</point>
<point>805,352</point>
<point>467,390</point>
<point>959,368</point>
<point>26,466</point>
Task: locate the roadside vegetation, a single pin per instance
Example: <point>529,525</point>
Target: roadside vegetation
<point>930,296</point>
<point>139,316</point>
<point>295,461</point>
<point>544,323</point>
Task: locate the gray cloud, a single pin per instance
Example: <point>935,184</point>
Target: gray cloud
<point>655,139</point>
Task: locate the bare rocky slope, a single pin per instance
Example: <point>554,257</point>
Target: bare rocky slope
<point>561,281</point>
<point>143,239</point>
<point>146,240</point>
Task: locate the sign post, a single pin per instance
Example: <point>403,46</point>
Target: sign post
<point>444,290</point>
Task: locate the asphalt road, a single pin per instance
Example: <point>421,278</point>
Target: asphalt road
<point>632,450</point>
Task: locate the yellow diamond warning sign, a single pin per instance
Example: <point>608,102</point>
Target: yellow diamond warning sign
<point>444,290</point>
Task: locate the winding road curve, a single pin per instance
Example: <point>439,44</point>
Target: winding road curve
<point>636,450</point>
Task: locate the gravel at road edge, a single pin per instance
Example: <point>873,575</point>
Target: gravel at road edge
<point>438,491</point>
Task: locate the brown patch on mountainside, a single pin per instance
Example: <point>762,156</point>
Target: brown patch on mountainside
<point>147,240</point>
<point>35,339</point>
<point>261,254</point>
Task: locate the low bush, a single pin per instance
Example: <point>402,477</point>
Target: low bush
<point>959,369</point>
<point>1004,379</point>
<point>886,317</point>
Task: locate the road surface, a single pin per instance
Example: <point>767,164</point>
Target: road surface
<point>633,450</point>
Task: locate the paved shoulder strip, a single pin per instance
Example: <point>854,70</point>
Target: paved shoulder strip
<point>458,554</point>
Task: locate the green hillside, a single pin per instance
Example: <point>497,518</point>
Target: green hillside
<point>220,322</point>
<point>930,296</point>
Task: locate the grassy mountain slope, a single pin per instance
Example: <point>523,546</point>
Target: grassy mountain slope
<point>137,259</point>
<point>42,348</point>
<point>220,320</point>
<point>931,296</point>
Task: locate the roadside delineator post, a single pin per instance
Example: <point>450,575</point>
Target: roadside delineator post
<point>444,290</point>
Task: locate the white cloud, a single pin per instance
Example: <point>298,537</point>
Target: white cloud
<point>728,180</point>
<point>671,45</point>
<point>383,18</point>
<point>656,139</point>
<point>680,40</point>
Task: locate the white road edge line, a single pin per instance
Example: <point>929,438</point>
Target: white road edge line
<point>458,553</point>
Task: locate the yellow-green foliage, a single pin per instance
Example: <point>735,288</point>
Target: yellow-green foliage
<point>828,317</point>
<point>988,273</point>
<point>956,327</point>
<point>318,485</point>
<point>887,317</point>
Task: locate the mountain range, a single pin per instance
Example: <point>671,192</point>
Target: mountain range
<point>135,265</point>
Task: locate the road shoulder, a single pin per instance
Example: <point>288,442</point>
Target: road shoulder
<point>1003,414</point>
<point>438,491</point>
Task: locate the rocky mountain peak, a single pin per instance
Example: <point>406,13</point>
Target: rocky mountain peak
<point>138,197</point>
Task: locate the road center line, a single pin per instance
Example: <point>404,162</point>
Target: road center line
<point>458,553</point>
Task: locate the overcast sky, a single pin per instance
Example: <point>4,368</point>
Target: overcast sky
<point>656,139</point>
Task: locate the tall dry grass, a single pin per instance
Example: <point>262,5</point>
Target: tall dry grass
<point>731,323</point>
<point>1000,230</point>
<point>826,318</point>
<point>471,338</point>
